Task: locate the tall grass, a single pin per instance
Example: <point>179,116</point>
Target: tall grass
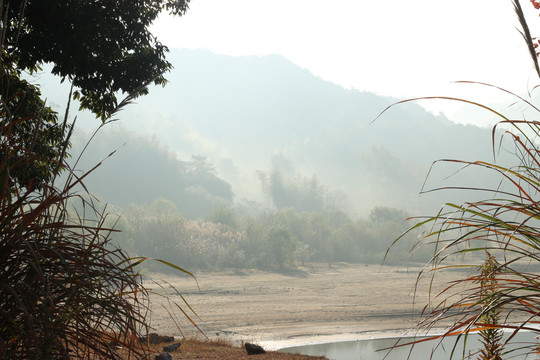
<point>66,290</point>
<point>503,227</point>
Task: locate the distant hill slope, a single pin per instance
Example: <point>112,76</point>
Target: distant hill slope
<point>252,113</point>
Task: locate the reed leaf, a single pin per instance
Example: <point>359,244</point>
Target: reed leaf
<point>499,293</point>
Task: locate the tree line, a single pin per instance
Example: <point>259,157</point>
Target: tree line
<point>269,240</point>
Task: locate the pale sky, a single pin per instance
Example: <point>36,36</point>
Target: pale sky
<point>391,47</point>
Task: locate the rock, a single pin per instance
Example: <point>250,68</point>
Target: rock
<point>153,338</point>
<point>253,349</point>
<point>167,338</point>
<point>163,356</point>
<point>172,347</point>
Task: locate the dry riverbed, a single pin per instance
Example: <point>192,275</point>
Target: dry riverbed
<point>309,304</point>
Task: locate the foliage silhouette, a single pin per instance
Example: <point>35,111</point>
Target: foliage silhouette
<point>101,47</point>
<point>66,290</point>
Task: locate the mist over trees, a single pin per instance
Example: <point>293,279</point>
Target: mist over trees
<point>141,171</point>
<point>300,193</point>
<point>280,166</point>
<point>271,240</point>
<point>248,115</point>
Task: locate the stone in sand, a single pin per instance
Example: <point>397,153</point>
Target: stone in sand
<point>172,347</point>
<point>163,356</point>
<point>253,349</point>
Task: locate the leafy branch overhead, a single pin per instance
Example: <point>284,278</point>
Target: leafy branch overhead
<point>103,47</point>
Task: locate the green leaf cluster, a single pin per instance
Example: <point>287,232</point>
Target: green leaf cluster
<point>31,131</point>
<point>102,47</point>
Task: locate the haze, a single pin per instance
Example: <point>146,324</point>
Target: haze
<point>269,158</point>
<point>396,48</point>
<point>269,108</point>
<point>292,166</point>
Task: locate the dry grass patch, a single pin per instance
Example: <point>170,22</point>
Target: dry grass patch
<point>195,348</point>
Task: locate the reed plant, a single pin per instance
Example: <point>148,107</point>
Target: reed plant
<point>491,335</point>
<point>502,227</point>
<point>66,290</point>
<point>505,224</point>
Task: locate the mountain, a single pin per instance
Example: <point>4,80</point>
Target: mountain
<point>254,113</point>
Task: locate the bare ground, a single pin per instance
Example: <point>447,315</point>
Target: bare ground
<point>191,349</point>
<point>310,304</point>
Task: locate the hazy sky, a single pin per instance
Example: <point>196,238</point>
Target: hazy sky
<point>392,47</point>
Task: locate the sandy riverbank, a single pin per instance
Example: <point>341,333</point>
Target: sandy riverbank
<point>310,304</point>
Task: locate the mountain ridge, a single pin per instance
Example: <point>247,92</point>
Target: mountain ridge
<point>243,113</point>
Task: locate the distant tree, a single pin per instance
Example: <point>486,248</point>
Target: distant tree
<point>283,163</point>
<point>300,193</point>
<point>201,173</point>
<point>102,47</point>
<point>346,240</point>
<point>192,186</point>
<point>311,194</point>
<point>163,207</point>
<point>274,187</point>
<point>224,216</point>
<point>254,245</point>
<point>281,246</point>
<point>319,234</point>
<point>381,214</point>
<point>382,226</point>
